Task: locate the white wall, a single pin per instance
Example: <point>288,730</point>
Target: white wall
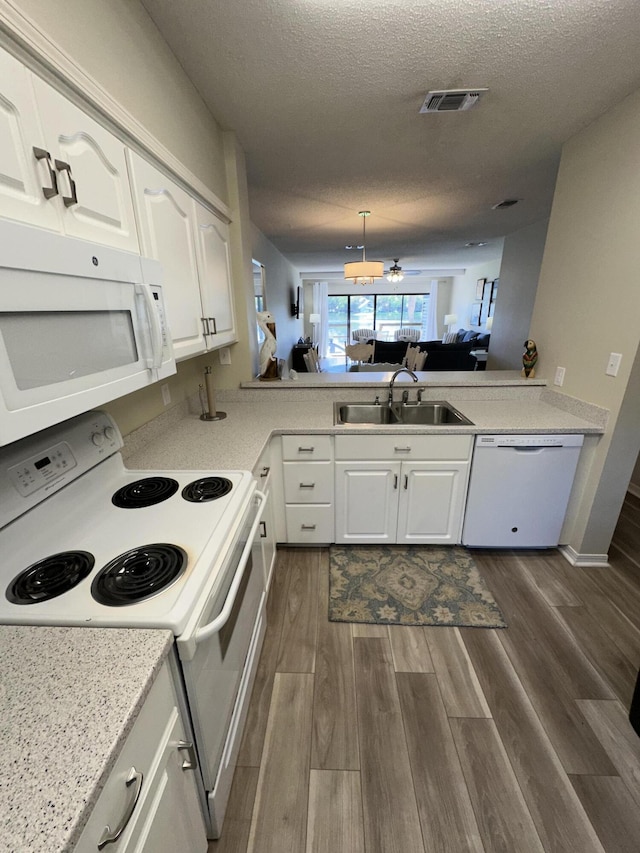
<point>463,292</point>
<point>281,279</point>
<point>519,273</point>
<point>588,304</point>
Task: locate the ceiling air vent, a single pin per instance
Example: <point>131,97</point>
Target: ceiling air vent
<point>451,100</point>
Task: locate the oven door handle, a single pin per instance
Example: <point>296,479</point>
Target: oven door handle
<point>213,627</point>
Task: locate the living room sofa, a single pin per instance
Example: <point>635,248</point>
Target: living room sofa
<point>453,356</point>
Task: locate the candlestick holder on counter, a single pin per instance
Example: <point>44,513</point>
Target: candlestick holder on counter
<point>208,399</point>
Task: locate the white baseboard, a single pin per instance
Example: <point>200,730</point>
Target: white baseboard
<point>583,560</point>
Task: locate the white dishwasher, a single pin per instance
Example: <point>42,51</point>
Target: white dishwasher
<point>519,490</point>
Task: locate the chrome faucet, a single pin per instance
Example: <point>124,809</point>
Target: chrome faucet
<point>393,379</point>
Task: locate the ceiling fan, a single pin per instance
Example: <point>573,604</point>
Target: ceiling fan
<point>396,273</point>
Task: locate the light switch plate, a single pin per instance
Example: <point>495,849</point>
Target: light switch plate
<point>613,365</point>
<point>224,355</point>
<point>559,377</point>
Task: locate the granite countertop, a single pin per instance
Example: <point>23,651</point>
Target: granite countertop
<point>69,698</point>
<point>236,442</point>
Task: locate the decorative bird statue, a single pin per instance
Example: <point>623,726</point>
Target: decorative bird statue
<point>529,359</point>
<point>268,361</point>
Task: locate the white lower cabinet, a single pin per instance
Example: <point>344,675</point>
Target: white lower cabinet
<point>150,802</point>
<point>307,475</point>
<point>420,501</point>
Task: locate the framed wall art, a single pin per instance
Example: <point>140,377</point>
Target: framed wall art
<point>475,313</point>
<point>480,289</point>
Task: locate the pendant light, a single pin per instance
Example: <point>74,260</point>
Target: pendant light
<point>395,273</point>
<point>364,271</point>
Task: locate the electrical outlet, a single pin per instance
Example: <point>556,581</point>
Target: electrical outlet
<point>559,377</point>
<point>166,394</point>
<point>224,355</point>
<point>613,365</point>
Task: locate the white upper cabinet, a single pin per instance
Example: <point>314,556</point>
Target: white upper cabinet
<point>94,194</point>
<point>165,215</point>
<point>24,180</point>
<point>193,247</point>
<point>60,169</point>
<point>214,266</point>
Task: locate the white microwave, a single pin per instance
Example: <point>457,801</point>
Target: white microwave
<point>80,324</point>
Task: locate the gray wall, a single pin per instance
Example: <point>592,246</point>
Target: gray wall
<point>519,272</point>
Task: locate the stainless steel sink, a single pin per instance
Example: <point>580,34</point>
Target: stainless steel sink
<point>364,413</point>
<point>429,413</point>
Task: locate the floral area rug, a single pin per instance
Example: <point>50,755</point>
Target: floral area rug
<point>409,585</point>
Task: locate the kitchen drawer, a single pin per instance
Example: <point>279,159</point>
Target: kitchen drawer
<point>309,523</point>
<point>308,482</point>
<point>304,448</point>
<point>402,447</point>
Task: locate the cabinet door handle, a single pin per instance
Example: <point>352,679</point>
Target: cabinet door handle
<point>263,529</point>
<point>306,449</point>
<point>205,326</point>
<point>212,320</point>
<point>41,154</point>
<point>190,763</point>
<point>307,527</point>
<point>265,471</point>
<point>307,485</point>
<point>395,481</point>
<point>402,449</point>
<point>406,481</point>
<point>134,778</point>
<point>72,199</point>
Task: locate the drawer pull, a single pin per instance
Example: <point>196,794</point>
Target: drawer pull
<point>212,320</point>
<point>406,481</point>
<point>72,198</point>
<point>134,778</point>
<point>402,449</point>
<point>307,485</point>
<point>306,449</point>
<point>307,527</point>
<point>48,192</point>
<point>395,481</point>
<point>265,471</point>
<point>263,529</point>
<point>190,763</point>
<point>205,327</point>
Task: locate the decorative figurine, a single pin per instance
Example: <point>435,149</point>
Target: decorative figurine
<point>268,360</point>
<point>529,359</point>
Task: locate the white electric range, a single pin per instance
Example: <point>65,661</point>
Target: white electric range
<point>87,542</point>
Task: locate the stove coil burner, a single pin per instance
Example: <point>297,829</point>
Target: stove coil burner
<point>50,577</point>
<point>138,574</point>
<point>207,489</point>
<point>145,492</point>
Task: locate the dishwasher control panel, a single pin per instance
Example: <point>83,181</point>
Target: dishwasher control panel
<point>511,440</point>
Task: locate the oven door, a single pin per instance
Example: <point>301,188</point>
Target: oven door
<point>213,648</point>
<point>79,325</point>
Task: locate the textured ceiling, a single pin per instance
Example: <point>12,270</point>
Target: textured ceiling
<point>324,96</point>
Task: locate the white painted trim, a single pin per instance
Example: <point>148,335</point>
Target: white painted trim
<point>635,490</point>
<point>32,46</point>
<point>583,560</point>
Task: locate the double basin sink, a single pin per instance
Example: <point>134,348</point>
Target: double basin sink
<point>429,413</point>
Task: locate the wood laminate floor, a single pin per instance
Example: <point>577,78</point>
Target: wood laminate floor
<point>368,739</point>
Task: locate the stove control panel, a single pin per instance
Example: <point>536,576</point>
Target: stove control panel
<point>43,468</point>
<point>37,466</point>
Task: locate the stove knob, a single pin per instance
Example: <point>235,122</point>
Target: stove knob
<point>98,439</point>
<point>110,433</point>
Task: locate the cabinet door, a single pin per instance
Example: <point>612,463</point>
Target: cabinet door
<point>173,820</point>
<point>366,501</point>
<point>23,178</point>
<point>431,502</point>
<point>214,268</point>
<point>94,198</point>
<point>165,215</point>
